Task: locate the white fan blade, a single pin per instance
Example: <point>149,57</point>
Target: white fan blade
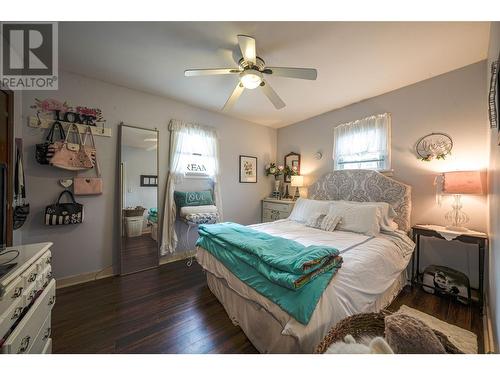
<point>302,73</point>
<point>271,94</point>
<point>234,97</point>
<point>247,47</point>
<point>210,72</point>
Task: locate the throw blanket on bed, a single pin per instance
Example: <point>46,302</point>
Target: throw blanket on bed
<point>290,274</point>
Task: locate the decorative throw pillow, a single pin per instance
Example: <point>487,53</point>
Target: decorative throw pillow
<point>323,221</point>
<point>193,198</point>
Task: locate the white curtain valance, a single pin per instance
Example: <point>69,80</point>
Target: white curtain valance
<point>186,139</point>
<point>363,143</point>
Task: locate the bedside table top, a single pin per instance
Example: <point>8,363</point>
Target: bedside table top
<point>449,233</point>
<point>274,200</point>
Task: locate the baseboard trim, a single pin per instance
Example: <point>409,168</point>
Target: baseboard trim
<point>84,278</point>
<point>108,271</point>
<point>488,333</point>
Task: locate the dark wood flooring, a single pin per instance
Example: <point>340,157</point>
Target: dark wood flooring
<point>171,310</point>
<point>138,253</point>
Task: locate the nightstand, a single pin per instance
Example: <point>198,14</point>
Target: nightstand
<point>478,238</point>
<point>276,209</point>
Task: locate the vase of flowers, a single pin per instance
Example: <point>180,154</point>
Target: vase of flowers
<point>276,171</point>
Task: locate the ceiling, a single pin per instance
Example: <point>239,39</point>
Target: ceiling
<point>139,138</point>
<point>355,60</point>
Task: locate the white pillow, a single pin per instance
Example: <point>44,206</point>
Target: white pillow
<point>324,222</point>
<point>363,219</point>
<point>386,213</point>
<point>190,210</point>
<point>305,208</point>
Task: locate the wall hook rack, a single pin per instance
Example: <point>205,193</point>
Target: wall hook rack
<point>98,130</point>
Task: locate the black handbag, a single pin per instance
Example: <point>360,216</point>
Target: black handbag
<point>21,208</point>
<point>64,213</point>
<point>42,153</point>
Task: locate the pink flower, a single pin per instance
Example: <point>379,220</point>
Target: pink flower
<point>281,167</point>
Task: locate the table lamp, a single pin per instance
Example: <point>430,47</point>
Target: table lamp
<point>458,183</point>
<point>297,181</point>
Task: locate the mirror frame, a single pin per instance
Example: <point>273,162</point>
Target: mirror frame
<point>288,178</point>
<point>120,206</point>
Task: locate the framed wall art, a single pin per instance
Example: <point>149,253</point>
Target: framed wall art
<point>248,169</point>
<point>149,180</point>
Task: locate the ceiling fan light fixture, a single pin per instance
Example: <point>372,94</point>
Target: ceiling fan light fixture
<point>251,78</point>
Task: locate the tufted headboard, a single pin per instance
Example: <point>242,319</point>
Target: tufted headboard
<point>363,185</point>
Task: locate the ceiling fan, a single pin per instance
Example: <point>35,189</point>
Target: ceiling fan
<point>251,72</point>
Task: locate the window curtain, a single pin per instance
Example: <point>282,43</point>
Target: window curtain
<point>186,138</point>
<point>363,143</point>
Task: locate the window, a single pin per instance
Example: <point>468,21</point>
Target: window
<point>363,144</point>
<point>197,156</point>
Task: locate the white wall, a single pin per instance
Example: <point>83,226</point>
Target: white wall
<point>494,199</point>
<point>139,161</point>
<point>93,245</point>
<point>453,103</point>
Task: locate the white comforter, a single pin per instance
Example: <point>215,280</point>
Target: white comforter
<point>370,269</point>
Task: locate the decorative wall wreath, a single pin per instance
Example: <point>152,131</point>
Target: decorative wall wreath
<point>434,146</point>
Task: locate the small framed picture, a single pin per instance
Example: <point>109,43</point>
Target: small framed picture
<point>148,180</point>
<point>248,169</point>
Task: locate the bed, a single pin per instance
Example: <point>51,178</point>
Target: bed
<point>372,274</point>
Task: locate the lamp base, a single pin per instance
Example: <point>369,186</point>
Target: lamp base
<point>455,228</point>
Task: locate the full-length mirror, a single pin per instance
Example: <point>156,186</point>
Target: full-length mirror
<point>139,198</point>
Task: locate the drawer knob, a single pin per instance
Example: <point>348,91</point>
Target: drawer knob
<point>32,277</point>
<point>17,292</point>
<point>52,300</point>
<point>47,333</point>
<point>25,343</point>
<point>17,313</point>
<point>48,260</point>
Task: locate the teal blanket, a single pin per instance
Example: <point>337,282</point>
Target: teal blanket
<point>291,275</point>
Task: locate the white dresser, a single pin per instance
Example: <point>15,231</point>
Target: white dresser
<point>276,209</point>
<point>27,296</point>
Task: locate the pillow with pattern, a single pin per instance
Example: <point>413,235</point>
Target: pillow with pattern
<point>323,221</point>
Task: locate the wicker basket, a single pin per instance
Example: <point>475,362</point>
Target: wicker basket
<point>369,325</point>
<point>132,212</point>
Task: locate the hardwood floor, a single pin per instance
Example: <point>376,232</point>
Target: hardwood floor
<point>138,253</point>
<point>171,310</point>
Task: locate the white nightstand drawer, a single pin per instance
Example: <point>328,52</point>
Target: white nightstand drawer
<point>22,338</point>
<point>272,215</point>
<point>283,207</point>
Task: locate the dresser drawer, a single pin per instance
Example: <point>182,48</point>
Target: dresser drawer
<point>10,316</point>
<point>42,337</point>
<point>45,260</point>
<point>272,215</point>
<point>22,338</point>
<point>47,349</point>
<point>13,293</point>
<point>30,275</point>
<point>282,207</point>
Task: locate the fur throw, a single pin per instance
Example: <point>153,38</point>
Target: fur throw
<point>407,335</point>
<point>350,346</point>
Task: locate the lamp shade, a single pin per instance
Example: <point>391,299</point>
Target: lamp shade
<point>297,181</point>
<point>464,182</point>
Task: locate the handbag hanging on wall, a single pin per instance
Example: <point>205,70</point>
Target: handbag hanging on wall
<point>89,185</point>
<point>42,153</point>
<point>21,208</point>
<point>71,156</point>
<point>64,213</point>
